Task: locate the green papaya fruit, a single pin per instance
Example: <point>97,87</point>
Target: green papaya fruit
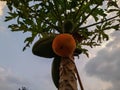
<point>68,26</point>
<point>55,70</point>
<point>43,47</point>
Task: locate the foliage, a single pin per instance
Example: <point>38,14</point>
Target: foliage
<point>23,88</point>
<point>48,17</point>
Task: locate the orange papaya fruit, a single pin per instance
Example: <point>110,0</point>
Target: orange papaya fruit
<point>64,45</point>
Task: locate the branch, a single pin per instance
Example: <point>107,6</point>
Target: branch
<point>99,22</point>
<point>52,25</point>
<point>112,27</point>
<point>85,18</point>
<point>83,11</point>
<point>79,79</point>
<point>65,9</point>
<point>82,3</point>
<point>3,0</point>
<point>53,12</point>
<point>58,14</point>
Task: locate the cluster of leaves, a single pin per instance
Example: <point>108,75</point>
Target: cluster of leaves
<point>46,17</point>
<point>23,88</point>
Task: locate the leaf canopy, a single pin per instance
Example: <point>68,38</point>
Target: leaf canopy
<point>90,19</point>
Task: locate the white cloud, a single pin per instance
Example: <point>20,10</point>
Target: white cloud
<point>2,29</point>
<point>8,81</point>
<point>106,64</point>
<point>2,5</point>
<point>90,82</point>
<point>94,83</point>
<point>118,2</point>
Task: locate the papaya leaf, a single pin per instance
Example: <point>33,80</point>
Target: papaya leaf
<point>113,3</point>
<point>48,17</point>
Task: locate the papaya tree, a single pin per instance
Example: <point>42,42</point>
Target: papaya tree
<point>85,21</point>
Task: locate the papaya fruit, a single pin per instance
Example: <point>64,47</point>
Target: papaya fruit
<point>68,26</point>
<point>55,71</point>
<point>43,47</point>
<point>64,45</point>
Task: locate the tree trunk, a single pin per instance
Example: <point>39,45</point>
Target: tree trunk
<point>68,79</point>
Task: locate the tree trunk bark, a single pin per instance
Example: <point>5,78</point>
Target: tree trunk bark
<point>68,79</point>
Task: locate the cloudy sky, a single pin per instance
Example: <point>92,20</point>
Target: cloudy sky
<point>17,68</point>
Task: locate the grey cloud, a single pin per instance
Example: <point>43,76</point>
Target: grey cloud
<point>106,65</point>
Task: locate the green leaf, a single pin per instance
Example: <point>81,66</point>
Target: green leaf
<point>113,3</point>
<point>97,13</point>
<point>29,39</point>
<point>116,27</point>
<point>14,27</point>
<point>112,10</point>
<point>105,36</point>
<point>84,51</point>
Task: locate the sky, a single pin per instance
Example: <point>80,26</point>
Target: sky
<point>17,68</point>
